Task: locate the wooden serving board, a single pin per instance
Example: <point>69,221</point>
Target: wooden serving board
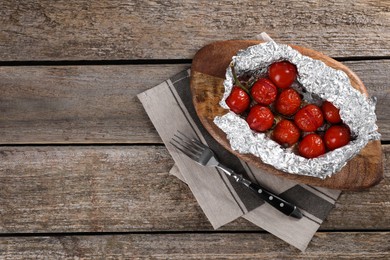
<point>207,76</point>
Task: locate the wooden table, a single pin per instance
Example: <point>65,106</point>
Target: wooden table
<point>83,173</point>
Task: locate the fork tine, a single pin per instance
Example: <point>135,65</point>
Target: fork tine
<point>199,144</point>
<point>189,144</point>
<point>187,152</point>
<point>194,142</point>
<point>186,145</point>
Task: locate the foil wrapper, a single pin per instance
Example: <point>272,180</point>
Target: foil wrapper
<point>319,82</point>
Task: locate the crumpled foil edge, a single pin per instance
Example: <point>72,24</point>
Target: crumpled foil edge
<point>319,80</point>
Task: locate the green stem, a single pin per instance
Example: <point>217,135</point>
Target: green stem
<point>236,81</point>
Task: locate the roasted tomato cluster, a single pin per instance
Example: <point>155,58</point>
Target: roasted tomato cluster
<point>271,105</point>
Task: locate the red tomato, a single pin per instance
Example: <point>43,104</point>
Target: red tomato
<point>309,118</point>
<point>331,113</point>
<point>260,118</point>
<point>337,136</point>
<point>311,146</point>
<point>238,101</point>
<point>264,91</point>
<point>288,102</point>
<point>282,73</point>
<point>286,133</point>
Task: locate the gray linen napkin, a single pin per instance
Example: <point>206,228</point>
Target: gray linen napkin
<point>169,107</point>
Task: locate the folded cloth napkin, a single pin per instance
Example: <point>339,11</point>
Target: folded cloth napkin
<point>170,108</point>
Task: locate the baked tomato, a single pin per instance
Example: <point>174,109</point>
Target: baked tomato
<point>286,133</point>
<point>260,118</point>
<point>288,102</point>
<point>264,91</point>
<point>309,118</point>
<point>337,136</point>
<point>238,101</point>
<point>311,146</point>
<point>331,113</point>
<point>282,73</point>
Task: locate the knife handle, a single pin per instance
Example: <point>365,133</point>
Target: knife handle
<point>280,204</point>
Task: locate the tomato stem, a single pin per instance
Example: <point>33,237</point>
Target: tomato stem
<point>236,81</point>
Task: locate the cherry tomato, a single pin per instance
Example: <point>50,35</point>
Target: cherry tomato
<point>331,113</point>
<point>288,102</point>
<point>264,91</point>
<point>309,118</point>
<point>337,136</point>
<point>286,133</point>
<point>282,73</point>
<point>260,118</point>
<point>311,146</point>
<point>238,101</point>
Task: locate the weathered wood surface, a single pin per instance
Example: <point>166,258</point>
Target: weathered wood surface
<point>337,245</point>
<point>119,189</point>
<point>98,104</point>
<point>124,186</point>
<point>78,104</point>
<point>101,30</point>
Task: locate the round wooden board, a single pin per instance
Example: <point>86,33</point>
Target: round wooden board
<point>207,76</point>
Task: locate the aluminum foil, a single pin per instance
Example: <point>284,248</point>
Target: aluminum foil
<point>320,82</point>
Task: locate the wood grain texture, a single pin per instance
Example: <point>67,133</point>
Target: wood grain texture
<point>118,189</point>
<point>346,245</point>
<point>207,76</point>
<point>101,30</point>
<point>49,188</point>
<point>98,104</point>
<point>78,104</point>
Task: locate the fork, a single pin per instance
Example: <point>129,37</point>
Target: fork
<point>203,155</point>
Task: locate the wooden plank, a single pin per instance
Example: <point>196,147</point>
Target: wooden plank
<point>102,30</point>
<point>98,104</point>
<point>117,188</point>
<point>78,104</point>
<point>75,189</point>
<point>345,245</point>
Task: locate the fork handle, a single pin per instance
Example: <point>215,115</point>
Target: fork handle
<point>277,202</point>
